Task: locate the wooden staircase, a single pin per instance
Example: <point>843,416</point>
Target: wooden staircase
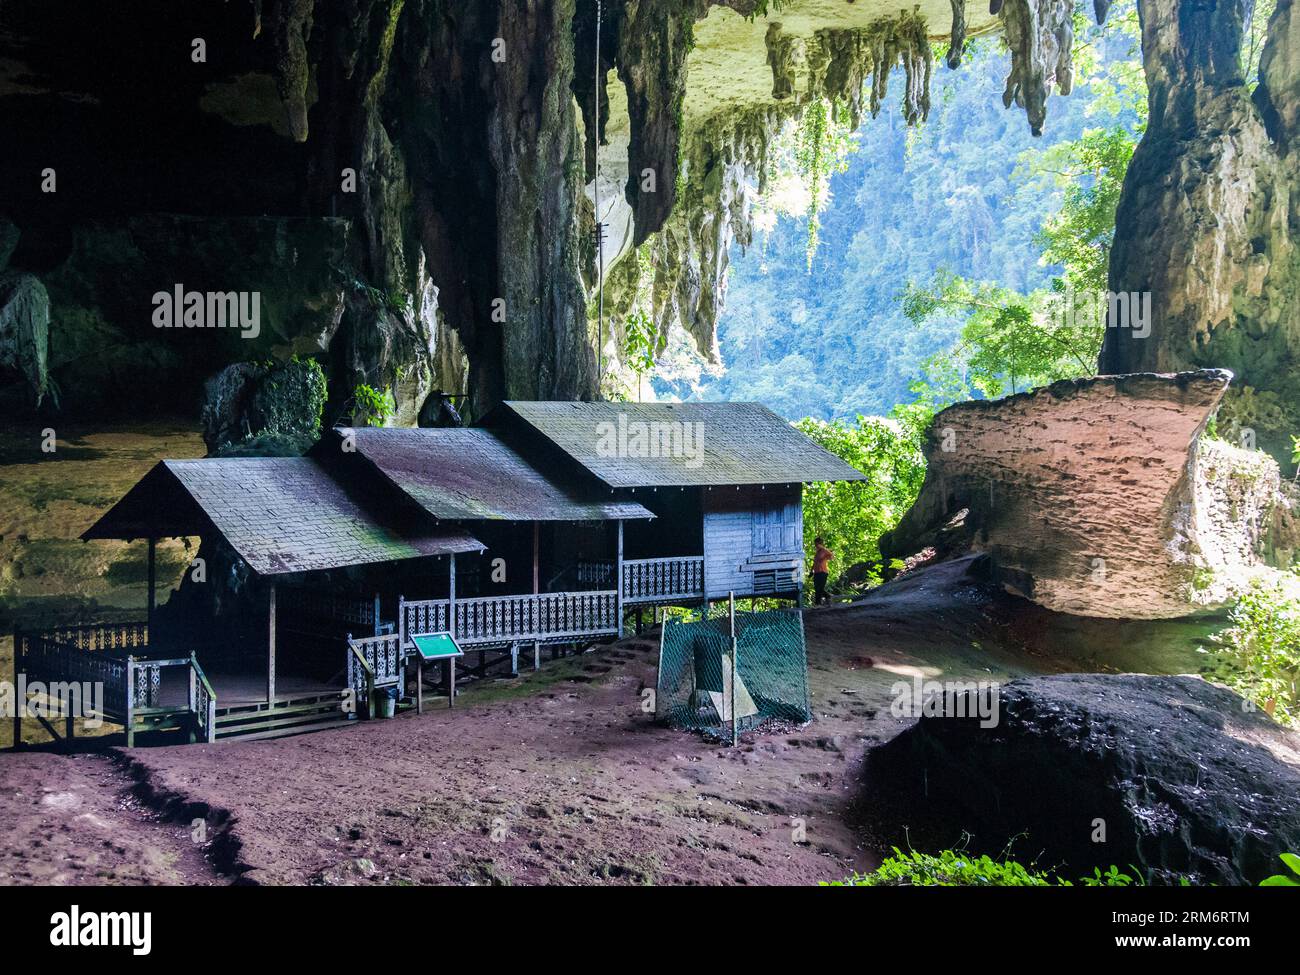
<point>287,716</point>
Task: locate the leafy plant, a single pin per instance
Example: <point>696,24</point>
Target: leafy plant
<point>1282,880</point>
<point>374,407</point>
<point>1258,655</point>
<point>1009,342</point>
<point>1295,456</point>
<point>852,515</point>
<point>956,868</point>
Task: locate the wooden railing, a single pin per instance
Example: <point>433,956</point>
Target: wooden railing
<point>661,580</point>
<point>546,618</point>
<point>97,654</point>
<point>132,635</point>
<point>43,656</point>
<point>374,661</point>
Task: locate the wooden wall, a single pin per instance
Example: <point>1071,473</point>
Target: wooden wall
<point>746,529</point>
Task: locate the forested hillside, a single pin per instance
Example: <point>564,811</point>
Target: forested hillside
<point>814,323</point>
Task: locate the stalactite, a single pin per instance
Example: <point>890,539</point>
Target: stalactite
<point>957,41</point>
<point>1040,34</point>
<point>783,55</point>
<point>905,39</point>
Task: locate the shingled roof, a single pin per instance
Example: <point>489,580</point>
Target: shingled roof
<point>281,514</point>
<point>471,474</point>
<point>682,444</point>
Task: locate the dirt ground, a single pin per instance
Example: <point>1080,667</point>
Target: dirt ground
<point>557,777</point>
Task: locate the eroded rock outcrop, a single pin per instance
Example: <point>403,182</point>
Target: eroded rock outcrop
<point>1207,220</point>
<point>1096,497</point>
<point>1173,776</point>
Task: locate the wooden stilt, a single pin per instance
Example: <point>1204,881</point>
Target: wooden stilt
<point>537,655</point>
<point>20,703</point>
<point>451,596</point>
<point>153,583</point>
<point>618,595</point>
<point>130,702</point>
<point>419,684</point>
<point>537,551</point>
<point>270,647</point>
<point>514,660</point>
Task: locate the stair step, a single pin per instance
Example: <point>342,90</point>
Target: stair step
<point>225,716</point>
<point>276,720</point>
<point>284,732</point>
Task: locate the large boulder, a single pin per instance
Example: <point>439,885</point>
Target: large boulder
<point>262,409</point>
<point>1172,775</point>
<point>1101,497</point>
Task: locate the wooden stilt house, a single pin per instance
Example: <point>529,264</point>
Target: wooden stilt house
<point>545,527</point>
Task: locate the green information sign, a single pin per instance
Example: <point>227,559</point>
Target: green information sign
<point>436,646</point>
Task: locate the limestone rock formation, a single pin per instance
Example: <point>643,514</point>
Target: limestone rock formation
<point>1096,497</point>
<point>256,409</point>
<point>25,331</point>
<point>1207,220</point>
<point>1180,777</point>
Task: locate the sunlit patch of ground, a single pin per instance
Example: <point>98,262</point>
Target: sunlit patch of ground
<point>48,498</point>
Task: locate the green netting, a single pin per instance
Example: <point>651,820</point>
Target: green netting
<point>695,689</point>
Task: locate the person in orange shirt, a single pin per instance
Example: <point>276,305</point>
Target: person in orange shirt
<point>821,569</point>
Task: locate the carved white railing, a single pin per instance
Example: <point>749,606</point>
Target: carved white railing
<point>660,580</point>
<point>546,618</point>
<point>374,661</point>
<point>425,615</point>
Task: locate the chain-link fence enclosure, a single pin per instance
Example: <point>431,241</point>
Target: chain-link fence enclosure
<point>696,690</point>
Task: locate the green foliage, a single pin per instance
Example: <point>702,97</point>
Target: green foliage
<point>289,400</point>
<point>1282,880</point>
<point>956,868</point>
<point>1258,655</point>
<point>375,408</point>
<point>1258,15</point>
<point>851,516</point>
<point>822,146</point>
<point>1009,342</point>
<point>381,300</point>
<point>640,336</point>
<point>1295,455</point>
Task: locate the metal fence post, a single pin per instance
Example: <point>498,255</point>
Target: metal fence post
<point>731,613</point>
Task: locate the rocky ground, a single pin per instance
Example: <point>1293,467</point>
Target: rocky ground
<point>557,777</point>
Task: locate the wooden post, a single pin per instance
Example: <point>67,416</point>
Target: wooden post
<point>193,701</point>
<point>618,596</point>
<point>20,702</point>
<point>537,655</point>
<point>130,702</point>
<point>537,551</point>
<point>153,581</point>
<point>419,684</point>
<point>376,633</point>
<point>514,660</point>
<point>451,597</point>
<point>270,648</point>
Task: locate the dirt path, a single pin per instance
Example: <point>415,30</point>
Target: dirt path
<point>72,819</point>
<point>558,777</point>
